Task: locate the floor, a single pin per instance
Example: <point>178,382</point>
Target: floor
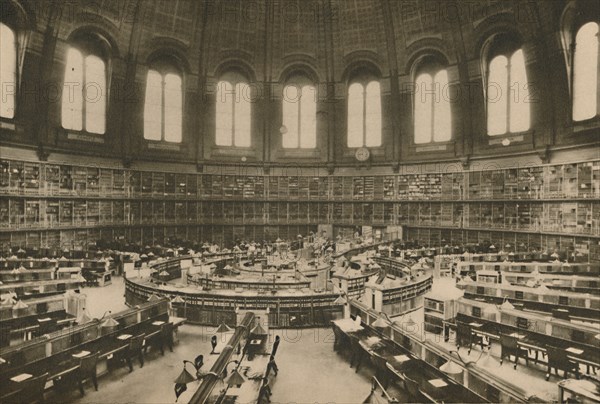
<point>309,370</point>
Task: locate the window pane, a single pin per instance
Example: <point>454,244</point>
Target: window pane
<point>442,125</point>
<point>496,95</point>
<point>519,97</point>
<point>291,108</point>
<point>72,96</point>
<point>355,115</point>
<point>153,107</point>
<point>585,79</point>
<point>423,108</point>
<point>173,108</point>
<point>373,115</point>
<point>224,114</point>
<point>8,71</point>
<point>308,124</point>
<point>95,94</point>
<point>243,108</point>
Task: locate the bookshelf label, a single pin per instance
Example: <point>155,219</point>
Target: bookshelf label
<point>7,125</point>
<point>431,148</point>
<point>164,146</point>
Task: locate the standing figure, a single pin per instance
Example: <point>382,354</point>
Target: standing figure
<point>275,346</point>
<point>213,343</point>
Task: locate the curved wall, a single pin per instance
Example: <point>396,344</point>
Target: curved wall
<point>330,42</point>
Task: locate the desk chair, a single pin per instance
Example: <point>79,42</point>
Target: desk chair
<point>357,352</point>
<point>31,392</point>
<point>510,347</point>
<point>339,341</point>
<point>558,359</point>
<point>381,370</point>
<point>264,394</point>
<point>166,336</point>
<point>412,387</point>
<point>87,370</point>
<point>465,336</point>
<point>46,327</point>
<point>136,345</point>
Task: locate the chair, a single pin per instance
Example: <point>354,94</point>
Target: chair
<point>166,336</point>
<point>465,336</point>
<point>412,387</point>
<point>357,352</point>
<point>136,345</point>
<point>338,342</point>
<point>381,370</point>
<point>558,359</point>
<point>510,347</point>
<point>46,327</point>
<point>32,391</point>
<point>87,370</point>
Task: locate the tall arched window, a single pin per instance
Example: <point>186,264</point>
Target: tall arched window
<point>84,89</point>
<point>364,113</point>
<point>299,112</point>
<point>8,71</point>
<point>507,93</point>
<point>432,118</point>
<point>233,126</point>
<point>163,106</point>
<point>585,73</point>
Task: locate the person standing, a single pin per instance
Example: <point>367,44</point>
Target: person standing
<point>213,343</point>
<point>275,346</point>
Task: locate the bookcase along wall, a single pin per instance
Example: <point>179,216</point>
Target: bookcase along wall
<point>46,205</point>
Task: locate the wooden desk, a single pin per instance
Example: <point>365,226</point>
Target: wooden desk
<point>61,364</point>
<point>438,390</point>
<point>578,388</point>
<point>253,373</point>
<point>581,356</point>
<point>398,364</point>
<point>348,325</point>
<point>401,363</point>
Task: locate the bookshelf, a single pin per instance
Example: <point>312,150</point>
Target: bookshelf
<point>43,198</point>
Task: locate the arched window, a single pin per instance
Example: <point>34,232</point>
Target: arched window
<point>299,112</point>
<point>233,111</point>
<point>84,88</point>
<point>364,113</point>
<point>432,118</point>
<point>507,93</point>
<point>585,73</point>
<point>8,71</point>
<point>163,106</point>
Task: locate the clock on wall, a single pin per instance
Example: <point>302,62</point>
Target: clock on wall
<point>362,154</point>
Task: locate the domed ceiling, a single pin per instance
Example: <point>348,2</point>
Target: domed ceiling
<point>270,34</point>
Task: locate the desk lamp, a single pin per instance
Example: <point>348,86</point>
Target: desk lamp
<point>236,379</point>
<point>109,322</point>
